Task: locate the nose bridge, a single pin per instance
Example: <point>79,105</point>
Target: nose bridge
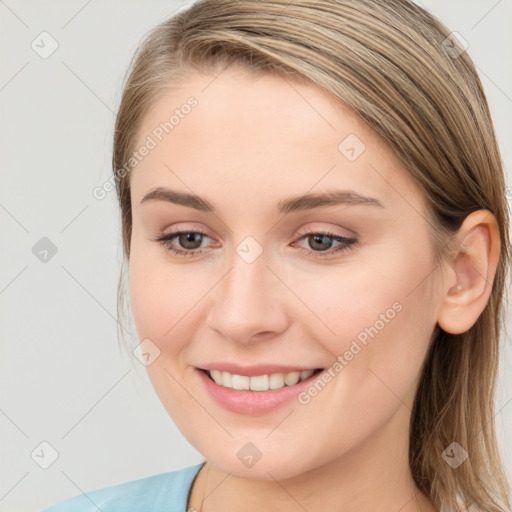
<point>245,305</point>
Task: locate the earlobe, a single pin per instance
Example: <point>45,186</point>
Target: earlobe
<point>470,272</point>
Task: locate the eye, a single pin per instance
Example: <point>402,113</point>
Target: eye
<point>190,241</point>
<point>319,239</point>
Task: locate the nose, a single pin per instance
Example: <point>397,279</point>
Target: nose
<point>248,305</point>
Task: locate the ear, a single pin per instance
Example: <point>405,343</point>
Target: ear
<point>469,275</point>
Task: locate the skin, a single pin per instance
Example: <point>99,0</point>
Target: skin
<point>252,141</point>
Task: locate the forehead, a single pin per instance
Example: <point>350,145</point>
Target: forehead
<point>263,135</point>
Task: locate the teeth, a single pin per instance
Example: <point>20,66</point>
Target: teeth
<point>239,381</point>
<point>276,381</point>
<point>260,382</point>
<point>292,378</point>
<point>306,374</point>
<point>226,379</point>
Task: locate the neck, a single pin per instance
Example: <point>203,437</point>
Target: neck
<point>373,476</point>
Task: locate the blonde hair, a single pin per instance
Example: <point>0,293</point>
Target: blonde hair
<point>391,62</point>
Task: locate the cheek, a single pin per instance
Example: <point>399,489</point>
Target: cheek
<point>144,298</point>
<point>159,310</point>
<point>347,301</point>
<point>167,300</point>
<point>153,291</point>
<point>378,317</point>
<point>379,323</point>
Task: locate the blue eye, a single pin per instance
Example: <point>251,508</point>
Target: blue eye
<point>315,238</point>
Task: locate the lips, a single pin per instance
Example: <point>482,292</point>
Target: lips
<point>254,402</point>
<point>254,370</point>
<point>259,382</point>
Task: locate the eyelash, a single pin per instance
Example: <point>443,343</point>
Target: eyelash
<point>348,243</point>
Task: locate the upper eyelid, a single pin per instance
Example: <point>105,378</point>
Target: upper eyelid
<point>325,232</point>
<point>346,242</point>
<point>309,231</point>
<point>331,232</point>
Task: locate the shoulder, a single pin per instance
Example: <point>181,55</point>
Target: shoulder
<point>162,492</point>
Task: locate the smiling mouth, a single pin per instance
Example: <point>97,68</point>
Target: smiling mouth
<point>260,382</point>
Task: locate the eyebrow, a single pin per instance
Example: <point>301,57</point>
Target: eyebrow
<point>292,204</point>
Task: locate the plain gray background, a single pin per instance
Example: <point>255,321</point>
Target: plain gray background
<point>64,379</point>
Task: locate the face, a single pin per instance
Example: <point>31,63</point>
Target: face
<point>268,282</point>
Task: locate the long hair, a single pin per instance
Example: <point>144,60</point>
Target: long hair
<point>399,68</point>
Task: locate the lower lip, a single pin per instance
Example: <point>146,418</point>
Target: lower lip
<point>253,403</point>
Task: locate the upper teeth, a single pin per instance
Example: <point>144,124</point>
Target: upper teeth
<point>260,382</point>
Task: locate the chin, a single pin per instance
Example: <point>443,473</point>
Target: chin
<point>271,466</point>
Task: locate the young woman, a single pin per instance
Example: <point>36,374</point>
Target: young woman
<point>314,217</point>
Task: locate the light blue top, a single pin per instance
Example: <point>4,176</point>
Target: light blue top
<point>164,492</point>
